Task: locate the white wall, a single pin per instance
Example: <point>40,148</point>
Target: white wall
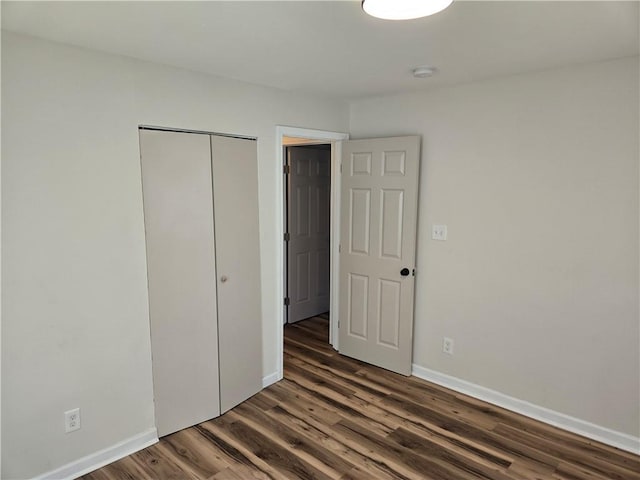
<point>536,177</point>
<point>74,299</point>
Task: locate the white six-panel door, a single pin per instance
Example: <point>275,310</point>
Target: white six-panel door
<point>379,197</point>
<point>308,224</point>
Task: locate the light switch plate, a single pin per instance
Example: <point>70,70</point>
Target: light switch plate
<point>439,232</point>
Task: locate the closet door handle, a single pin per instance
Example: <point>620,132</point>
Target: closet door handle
<point>224,278</point>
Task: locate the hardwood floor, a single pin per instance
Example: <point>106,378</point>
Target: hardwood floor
<point>337,418</point>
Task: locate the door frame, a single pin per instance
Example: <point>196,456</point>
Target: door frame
<point>334,138</point>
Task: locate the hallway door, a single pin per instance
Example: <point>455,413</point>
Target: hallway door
<point>308,228</point>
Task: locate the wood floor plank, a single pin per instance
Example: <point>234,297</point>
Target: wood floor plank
<point>435,420</point>
<point>376,462</point>
<point>567,471</point>
<point>342,401</point>
<point>575,446</point>
<point>567,453</point>
<point>342,445</point>
<point>262,402</point>
<point>305,427</point>
<point>460,444</point>
<point>281,434</point>
<point>279,458</point>
<point>373,390</point>
<point>335,418</point>
<point>157,464</point>
<point>123,469</point>
<point>227,474</point>
<point>200,458</point>
<point>402,458</point>
<point>358,473</point>
<point>446,404</point>
<point>326,358</point>
<point>240,472</point>
<point>234,446</point>
<point>289,393</point>
<point>526,470</point>
<point>318,329</point>
<point>362,393</point>
<point>463,460</point>
<point>303,340</point>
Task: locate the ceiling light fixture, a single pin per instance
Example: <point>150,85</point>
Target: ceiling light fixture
<point>403,9</point>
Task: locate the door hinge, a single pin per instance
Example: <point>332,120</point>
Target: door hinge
<point>287,169</point>
<point>287,237</point>
<point>287,301</point>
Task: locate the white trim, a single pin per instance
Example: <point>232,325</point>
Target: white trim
<point>103,457</point>
<point>605,435</point>
<point>271,379</point>
<point>336,186</point>
<point>330,137</point>
<point>293,142</point>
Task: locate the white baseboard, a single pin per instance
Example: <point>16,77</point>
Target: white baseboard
<point>101,458</point>
<point>605,435</point>
<point>271,379</point>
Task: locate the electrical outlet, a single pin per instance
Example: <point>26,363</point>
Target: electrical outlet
<point>439,232</point>
<point>72,420</point>
<point>447,345</point>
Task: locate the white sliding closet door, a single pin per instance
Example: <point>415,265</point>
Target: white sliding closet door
<point>178,210</point>
<point>235,186</point>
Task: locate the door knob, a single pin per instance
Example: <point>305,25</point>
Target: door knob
<point>224,278</point>
<point>404,272</point>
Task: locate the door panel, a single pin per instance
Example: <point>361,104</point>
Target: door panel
<point>308,226</point>
<point>378,239</point>
<point>358,305</point>
<point>359,220</point>
<point>235,191</point>
<point>178,213</point>
<point>392,210</point>
<point>389,311</point>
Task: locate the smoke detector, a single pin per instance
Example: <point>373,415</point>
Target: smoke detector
<point>424,71</point>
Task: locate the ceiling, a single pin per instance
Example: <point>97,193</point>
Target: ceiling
<point>333,49</point>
